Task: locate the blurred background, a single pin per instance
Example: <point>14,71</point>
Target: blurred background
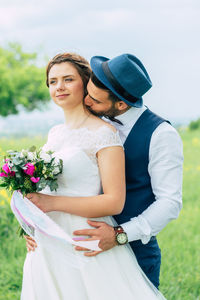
<point>163,34</point>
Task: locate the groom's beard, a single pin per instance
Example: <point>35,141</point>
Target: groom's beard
<point>109,114</point>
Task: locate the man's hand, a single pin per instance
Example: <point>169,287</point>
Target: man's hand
<point>30,243</point>
<point>103,232</point>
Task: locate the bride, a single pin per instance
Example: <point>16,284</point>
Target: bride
<point>92,185</point>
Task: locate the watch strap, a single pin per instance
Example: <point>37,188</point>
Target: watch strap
<point>118,229</point>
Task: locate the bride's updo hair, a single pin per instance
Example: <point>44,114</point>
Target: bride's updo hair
<point>79,62</point>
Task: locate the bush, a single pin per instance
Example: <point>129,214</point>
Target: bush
<point>194,124</point>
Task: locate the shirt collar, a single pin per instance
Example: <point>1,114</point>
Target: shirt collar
<point>130,115</point>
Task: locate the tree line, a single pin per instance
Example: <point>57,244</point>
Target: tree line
<point>22,82</point>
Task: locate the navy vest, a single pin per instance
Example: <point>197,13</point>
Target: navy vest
<point>139,193</point>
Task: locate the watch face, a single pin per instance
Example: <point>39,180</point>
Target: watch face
<point>122,238</point>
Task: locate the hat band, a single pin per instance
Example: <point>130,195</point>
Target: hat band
<point>115,84</point>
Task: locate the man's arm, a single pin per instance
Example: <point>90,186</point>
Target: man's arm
<point>165,170</point>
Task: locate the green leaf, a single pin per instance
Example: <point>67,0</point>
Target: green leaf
<point>41,184</point>
<point>53,186</point>
<point>4,184</point>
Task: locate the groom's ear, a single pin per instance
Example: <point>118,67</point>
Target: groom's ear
<point>121,105</point>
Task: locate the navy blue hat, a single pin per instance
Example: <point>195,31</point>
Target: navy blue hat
<point>124,75</point>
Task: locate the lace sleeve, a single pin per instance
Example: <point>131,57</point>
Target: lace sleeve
<point>107,138</point>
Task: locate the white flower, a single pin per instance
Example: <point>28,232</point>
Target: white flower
<point>56,170</point>
<point>44,170</point>
<point>24,153</point>
<point>10,164</point>
<point>32,155</point>
<point>56,161</point>
<point>46,157</point>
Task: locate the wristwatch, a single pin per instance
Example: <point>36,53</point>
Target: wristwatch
<point>120,235</point>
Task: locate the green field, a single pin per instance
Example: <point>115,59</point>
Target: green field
<point>179,241</point>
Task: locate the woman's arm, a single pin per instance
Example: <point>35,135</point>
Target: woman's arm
<point>112,170</point>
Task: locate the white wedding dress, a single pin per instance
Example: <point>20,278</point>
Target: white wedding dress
<point>55,271</point>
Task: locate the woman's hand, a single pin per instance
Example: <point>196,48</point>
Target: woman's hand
<point>30,243</point>
<point>42,201</point>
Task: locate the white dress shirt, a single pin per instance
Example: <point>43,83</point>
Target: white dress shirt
<point>165,170</point>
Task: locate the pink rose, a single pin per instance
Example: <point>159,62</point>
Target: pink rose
<point>6,168</point>
<point>35,180</point>
<point>2,174</point>
<point>12,173</point>
<point>30,169</point>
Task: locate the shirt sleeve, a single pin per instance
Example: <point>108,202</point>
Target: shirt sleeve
<point>165,170</point>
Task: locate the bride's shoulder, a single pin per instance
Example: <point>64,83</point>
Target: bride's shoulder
<point>55,129</point>
<point>103,135</point>
<point>98,124</point>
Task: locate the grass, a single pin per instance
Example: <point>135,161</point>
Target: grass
<point>12,248</point>
<point>179,241</point>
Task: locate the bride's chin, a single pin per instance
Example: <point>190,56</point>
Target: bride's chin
<point>61,103</point>
<point>65,106</point>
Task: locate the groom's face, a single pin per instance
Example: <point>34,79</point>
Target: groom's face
<point>98,102</point>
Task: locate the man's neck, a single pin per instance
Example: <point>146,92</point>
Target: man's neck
<point>123,111</point>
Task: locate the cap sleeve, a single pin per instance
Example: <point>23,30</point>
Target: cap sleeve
<point>107,138</point>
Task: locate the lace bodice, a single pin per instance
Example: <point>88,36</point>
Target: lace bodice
<point>90,141</point>
<point>78,148</point>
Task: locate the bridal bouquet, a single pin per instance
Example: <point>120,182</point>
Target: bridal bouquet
<point>30,171</point>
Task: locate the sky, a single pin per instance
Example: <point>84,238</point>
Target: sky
<point>164,35</point>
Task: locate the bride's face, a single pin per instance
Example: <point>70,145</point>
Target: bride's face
<point>66,86</point>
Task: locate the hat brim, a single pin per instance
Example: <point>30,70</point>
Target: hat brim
<point>96,65</point>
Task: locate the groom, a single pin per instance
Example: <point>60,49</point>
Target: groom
<point>153,153</point>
